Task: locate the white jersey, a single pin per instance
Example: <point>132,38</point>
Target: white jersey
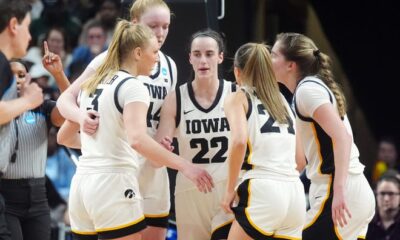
<point>271,146</point>
<point>318,146</point>
<point>162,81</point>
<point>202,133</point>
<point>109,146</point>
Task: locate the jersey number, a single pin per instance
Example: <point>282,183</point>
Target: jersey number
<point>95,101</point>
<point>152,117</point>
<point>268,125</point>
<point>215,142</point>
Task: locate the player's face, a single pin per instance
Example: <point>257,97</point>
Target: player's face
<point>388,197</point>
<point>158,19</point>
<point>279,63</point>
<point>205,57</point>
<point>22,37</point>
<point>149,57</point>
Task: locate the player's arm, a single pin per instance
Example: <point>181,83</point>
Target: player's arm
<point>67,101</point>
<point>68,135</point>
<point>167,125</point>
<point>134,116</point>
<point>235,107</point>
<point>68,106</point>
<point>328,118</point>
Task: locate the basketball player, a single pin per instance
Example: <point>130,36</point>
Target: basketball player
<point>194,114</point>
<point>341,200</point>
<point>271,196</point>
<point>154,182</point>
<point>105,201</point>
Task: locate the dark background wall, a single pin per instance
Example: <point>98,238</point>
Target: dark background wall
<point>365,35</point>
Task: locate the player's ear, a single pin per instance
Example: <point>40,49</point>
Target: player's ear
<point>220,58</point>
<point>137,53</point>
<point>190,58</point>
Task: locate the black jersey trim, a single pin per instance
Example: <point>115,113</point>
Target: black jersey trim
<point>78,236</point>
<point>221,232</point>
<point>216,100</point>
<point>161,222</point>
<point>322,223</point>
<point>178,107</point>
<point>308,119</point>
<point>241,216</point>
<point>122,232</point>
<point>170,68</point>
<point>233,87</point>
<point>123,70</point>
<point>120,109</point>
<point>250,107</point>
<point>155,75</point>
<point>325,149</point>
<point>286,93</point>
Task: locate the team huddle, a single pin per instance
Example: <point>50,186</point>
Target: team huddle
<point>242,145</point>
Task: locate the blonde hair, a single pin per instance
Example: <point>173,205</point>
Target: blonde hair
<point>126,38</point>
<point>140,6</point>
<point>311,61</point>
<point>254,61</point>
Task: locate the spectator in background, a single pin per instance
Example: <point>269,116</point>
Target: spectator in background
<point>107,15</point>
<point>386,223</point>
<point>37,8</point>
<point>83,9</point>
<point>387,158</point>
<point>55,14</point>
<point>56,41</point>
<point>94,45</point>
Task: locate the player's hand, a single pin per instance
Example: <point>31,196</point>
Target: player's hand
<point>51,61</point>
<point>89,122</point>
<point>32,93</point>
<point>339,209</point>
<point>227,201</point>
<point>166,142</point>
<point>199,176</point>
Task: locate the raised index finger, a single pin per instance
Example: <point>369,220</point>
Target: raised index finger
<point>46,48</point>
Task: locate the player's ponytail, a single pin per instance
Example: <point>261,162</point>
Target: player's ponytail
<point>126,38</point>
<point>254,61</point>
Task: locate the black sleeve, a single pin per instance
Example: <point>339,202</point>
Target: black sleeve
<point>6,76</point>
<point>46,108</point>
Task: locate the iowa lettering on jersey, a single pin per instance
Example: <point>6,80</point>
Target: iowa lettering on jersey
<point>196,126</point>
<point>156,92</point>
